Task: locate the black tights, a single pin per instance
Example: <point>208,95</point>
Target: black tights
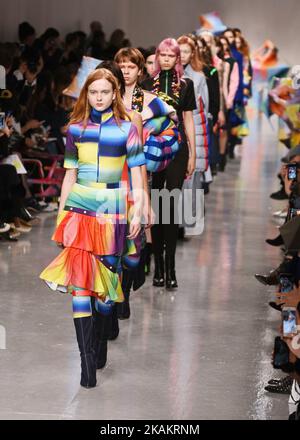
<point>173,176</point>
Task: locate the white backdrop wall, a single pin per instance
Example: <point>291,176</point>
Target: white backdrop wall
<point>146,22</point>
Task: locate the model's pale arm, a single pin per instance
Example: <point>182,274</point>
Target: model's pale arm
<point>190,134</point>
<point>137,194</point>
<point>69,180</point>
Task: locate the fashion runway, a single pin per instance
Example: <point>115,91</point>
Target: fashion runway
<point>203,352</point>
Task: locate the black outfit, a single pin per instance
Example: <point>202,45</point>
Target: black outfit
<point>71,58</point>
<point>26,91</point>
<point>52,62</point>
<point>173,176</point>
<point>213,86</point>
<point>56,118</point>
<point>9,97</point>
<point>12,193</point>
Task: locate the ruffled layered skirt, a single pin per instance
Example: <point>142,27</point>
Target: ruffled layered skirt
<point>92,229</point>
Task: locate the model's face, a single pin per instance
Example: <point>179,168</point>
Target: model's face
<point>208,39</point>
<point>200,45</point>
<point>130,72</point>
<point>185,53</point>
<point>150,64</point>
<point>230,37</point>
<point>224,45</point>
<point>167,59</point>
<point>100,94</point>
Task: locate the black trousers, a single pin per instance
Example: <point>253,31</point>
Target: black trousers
<point>12,193</point>
<point>170,178</point>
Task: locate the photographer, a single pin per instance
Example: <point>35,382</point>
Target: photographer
<point>291,177</point>
<point>4,133</point>
<point>286,277</point>
<point>12,190</point>
<point>286,357</point>
<point>30,66</point>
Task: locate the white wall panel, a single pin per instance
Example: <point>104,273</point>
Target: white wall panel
<point>146,22</point>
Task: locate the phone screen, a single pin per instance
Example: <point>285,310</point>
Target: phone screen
<point>286,285</point>
<point>289,321</point>
<point>292,172</point>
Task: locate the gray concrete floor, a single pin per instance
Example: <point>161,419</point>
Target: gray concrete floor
<point>200,353</point>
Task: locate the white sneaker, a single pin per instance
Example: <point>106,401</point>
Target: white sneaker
<point>51,207</point>
<point>280,214</point>
<point>4,227</point>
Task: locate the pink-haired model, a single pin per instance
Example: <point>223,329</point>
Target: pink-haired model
<point>169,44</point>
<point>168,84</point>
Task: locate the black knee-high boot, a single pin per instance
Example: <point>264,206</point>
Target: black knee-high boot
<point>171,282</point>
<point>222,162</point>
<point>159,271</point>
<point>232,141</point>
<point>123,309</point>
<point>114,330</point>
<point>100,336</point>
<point>84,333</point>
<point>148,258</point>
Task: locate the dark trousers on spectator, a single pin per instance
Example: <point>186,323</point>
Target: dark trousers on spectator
<point>12,193</point>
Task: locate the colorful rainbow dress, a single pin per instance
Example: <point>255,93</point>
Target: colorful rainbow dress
<point>94,223</point>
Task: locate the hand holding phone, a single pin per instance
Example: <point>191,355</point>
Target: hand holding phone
<point>289,322</point>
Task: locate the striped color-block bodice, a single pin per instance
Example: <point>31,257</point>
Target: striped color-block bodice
<point>100,150</point>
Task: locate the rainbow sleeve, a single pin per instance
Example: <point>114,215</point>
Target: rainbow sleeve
<point>135,151</point>
<point>71,152</point>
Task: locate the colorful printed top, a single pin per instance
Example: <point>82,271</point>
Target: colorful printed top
<point>160,135</point>
<point>99,151</point>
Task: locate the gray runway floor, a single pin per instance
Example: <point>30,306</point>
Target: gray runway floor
<point>202,352</point>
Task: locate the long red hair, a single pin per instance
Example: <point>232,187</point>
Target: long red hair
<point>82,109</point>
<point>244,49</point>
<point>195,60</point>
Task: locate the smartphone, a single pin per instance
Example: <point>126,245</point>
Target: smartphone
<point>286,284</point>
<point>292,171</point>
<point>289,321</point>
<point>2,120</point>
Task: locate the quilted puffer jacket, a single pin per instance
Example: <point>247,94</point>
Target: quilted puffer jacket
<point>200,117</point>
